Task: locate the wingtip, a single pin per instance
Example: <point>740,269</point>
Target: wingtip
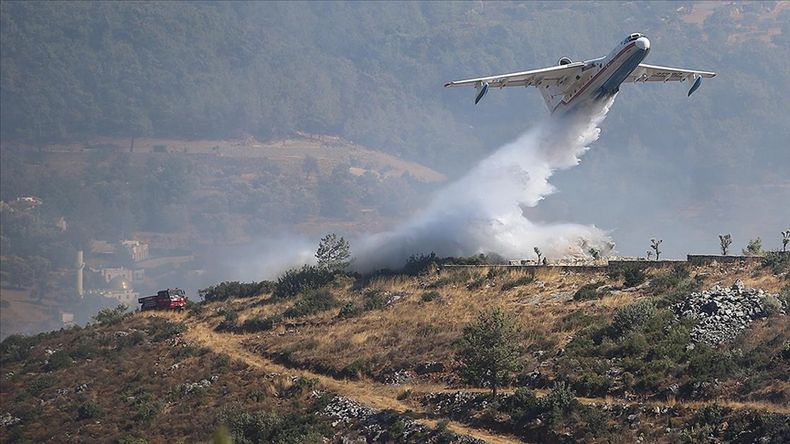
<point>448,84</point>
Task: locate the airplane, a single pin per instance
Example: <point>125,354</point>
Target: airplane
<point>571,83</point>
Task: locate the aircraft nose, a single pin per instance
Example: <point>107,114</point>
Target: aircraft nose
<point>643,43</point>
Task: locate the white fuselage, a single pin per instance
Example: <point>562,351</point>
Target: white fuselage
<point>601,78</point>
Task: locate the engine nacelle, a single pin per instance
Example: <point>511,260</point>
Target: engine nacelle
<point>564,61</point>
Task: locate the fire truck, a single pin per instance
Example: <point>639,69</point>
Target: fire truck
<point>170,299</point>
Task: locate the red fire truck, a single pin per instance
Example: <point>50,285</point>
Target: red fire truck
<point>170,299</point>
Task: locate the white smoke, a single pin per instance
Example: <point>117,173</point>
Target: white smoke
<point>482,211</point>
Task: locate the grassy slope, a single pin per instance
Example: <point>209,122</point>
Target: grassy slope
<point>323,346</point>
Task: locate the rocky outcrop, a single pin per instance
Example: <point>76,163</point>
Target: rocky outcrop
<point>380,426</point>
<point>723,313</point>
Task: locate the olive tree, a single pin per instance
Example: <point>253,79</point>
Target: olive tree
<point>489,350</point>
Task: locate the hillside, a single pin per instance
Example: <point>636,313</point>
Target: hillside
<point>604,358</point>
<point>199,198</point>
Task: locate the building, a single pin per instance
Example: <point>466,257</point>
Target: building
<point>137,250</point>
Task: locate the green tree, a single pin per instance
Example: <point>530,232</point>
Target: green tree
<point>725,240</point>
<point>489,350</point>
<point>753,248</point>
<point>333,253</point>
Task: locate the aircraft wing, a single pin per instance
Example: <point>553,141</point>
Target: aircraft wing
<point>535,77</point>
<point>654,73</point>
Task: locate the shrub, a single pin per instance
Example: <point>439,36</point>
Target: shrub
<point>451,278</point>
<point>771,305</point>
<point>356,368</point>
<point>587,292</point>
<point>109,316</point>
<point>259,323</point>
<point>38,385</point>
<point>264,426</point>
<point>375,300</point>
<point>667,281</point>
<point>349,310</point>
<point>312,302</point>
<point>229,323</point>
<point>58,360</point>
<point>524,280</point>
<point>16,348</point>
<point>429,296</point>
<point>777,261</point>
<point>477,283</point>
<point>147,410</point>
<point>235,289</point>
<point>633,317</point>
<point>297,280</point>
<point>167,329</point>
<point>633,276</point>
<point>88,410</point>
<point>522,405</point>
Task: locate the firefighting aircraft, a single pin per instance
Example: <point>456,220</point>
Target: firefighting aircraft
<point>570,83</point>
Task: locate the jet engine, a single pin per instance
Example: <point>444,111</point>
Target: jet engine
<point>565,61</point>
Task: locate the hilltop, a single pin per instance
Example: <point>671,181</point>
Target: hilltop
<point>607,355</point>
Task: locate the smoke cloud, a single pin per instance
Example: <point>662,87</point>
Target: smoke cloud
<point>483,211</point>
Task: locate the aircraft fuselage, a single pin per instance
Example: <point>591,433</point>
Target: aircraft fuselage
<point>601,78</point>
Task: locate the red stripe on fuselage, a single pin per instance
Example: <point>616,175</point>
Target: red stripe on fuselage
<point>608,64</point>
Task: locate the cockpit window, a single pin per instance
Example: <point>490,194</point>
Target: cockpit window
<point>632,37</point>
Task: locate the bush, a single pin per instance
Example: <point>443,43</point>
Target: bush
<point>259,323</point>
<point>88,410</point>
<point>375,300</point>
<point>229,323</point>
<point>264,426</point>
<point>357,368</point>
<point>167,329</point>
<point>561,398</point>
<point>429,296</point>
<point>16,348</point>
<point>107,316</point>
<point>633,317</point>
<point>587,292</point>
<point>522,405</point>
<point>777,261</point>
<point>667,281</point>
<point>58,360</point>
<point>38,385</point>
<point>235,289</point>
<point>147,410</point>
<point>477,283</point>
<point>349,310</point>
<point>297,280</point>
<point>633,276</point>
<point>312,302</point>
<point>524,280</point>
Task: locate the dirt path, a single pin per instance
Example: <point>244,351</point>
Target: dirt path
<point>371,394</point>
<point>384,397</point>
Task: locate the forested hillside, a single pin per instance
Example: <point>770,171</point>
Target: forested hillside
<point>373,72</point>
<point>682,169</point>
